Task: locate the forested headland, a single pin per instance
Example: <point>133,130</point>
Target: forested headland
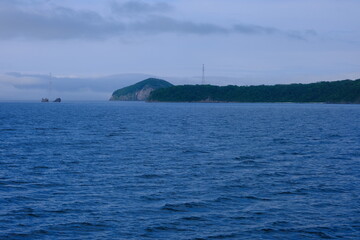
<point>345,91</point>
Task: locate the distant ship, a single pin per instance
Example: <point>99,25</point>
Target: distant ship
<point>50,88</point>
<point>47,100</point>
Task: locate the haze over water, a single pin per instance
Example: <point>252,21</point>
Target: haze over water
<point>134,170</point>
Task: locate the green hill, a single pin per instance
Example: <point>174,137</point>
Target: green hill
<point>346,91</point>
<point>139,91</point>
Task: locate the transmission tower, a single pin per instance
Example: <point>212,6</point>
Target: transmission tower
<point>50,84</point>
<point>203,75</point>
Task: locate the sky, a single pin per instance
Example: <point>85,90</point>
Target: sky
<point>90,47</point>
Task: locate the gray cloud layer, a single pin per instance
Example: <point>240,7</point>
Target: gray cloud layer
<point>261,30</point>
<point>59,23</point>
<point>137,7</point>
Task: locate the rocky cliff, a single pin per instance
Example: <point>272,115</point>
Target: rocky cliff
<point>139,91</point>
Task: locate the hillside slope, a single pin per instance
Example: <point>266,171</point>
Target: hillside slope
<point>139,91</point>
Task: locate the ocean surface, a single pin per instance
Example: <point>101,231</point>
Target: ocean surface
<point>134,170</point>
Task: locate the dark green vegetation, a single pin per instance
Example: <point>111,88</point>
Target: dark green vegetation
<point>139,91</point>
<point>346,91</point>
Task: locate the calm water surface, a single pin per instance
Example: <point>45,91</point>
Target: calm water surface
<point>129,170</point>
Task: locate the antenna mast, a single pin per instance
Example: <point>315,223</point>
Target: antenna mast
<point>203,75</point>
<point>50,85</point>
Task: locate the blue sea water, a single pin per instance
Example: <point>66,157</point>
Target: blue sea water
<point>134,170</point>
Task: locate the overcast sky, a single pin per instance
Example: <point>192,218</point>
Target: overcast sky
<point>242,42</point>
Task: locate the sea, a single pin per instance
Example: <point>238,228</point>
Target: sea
<point>137,170</point>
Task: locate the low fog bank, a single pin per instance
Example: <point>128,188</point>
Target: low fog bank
<point>18,86</point>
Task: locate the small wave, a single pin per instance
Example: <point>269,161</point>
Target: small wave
<point>172,209</point>
<point>242,218</point>
<point>281,141</point>
<point>273,174</point>
<point>182,207</point>
<point>292,153</point>
<point>152,198</point>
<point>333,136</point>
<point>64,210</point>
<point>15,199</point>
<point>24,213</point>
<point>249,162</point>
<point>317,231</point>
<point>285,193</point>
<point>45,185</point>
<point>16,236</point>
<point>256,198</point>
<point>321,235</point>
<point>150,176</point>
<point>164,228</point>
<point>40,167</point>
<point>338,158</point>
<point>80,226</point>
<point>234,186</point>
<point>299,191</point>
<point>193,218</point>
<point>247,157</point>
<point>23,210</point>
<point>115,134</point>
<point>222,199</point>
<point>194,151</point>
<point>8,129</point>
<point>279,223</point>
<point>260,213</point>
<point>157,132</point>
<point>218,236</point>
<point>18,182</point>
<point>32,215</point>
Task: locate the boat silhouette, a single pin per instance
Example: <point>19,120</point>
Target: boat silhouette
<point>50,89</point>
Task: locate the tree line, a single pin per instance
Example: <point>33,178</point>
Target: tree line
<point>345,91</point>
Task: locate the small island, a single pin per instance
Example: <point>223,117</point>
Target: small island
<point>156,90</point>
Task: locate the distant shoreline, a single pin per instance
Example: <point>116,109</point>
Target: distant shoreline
<point>337,92</point>
<point>337,103</point>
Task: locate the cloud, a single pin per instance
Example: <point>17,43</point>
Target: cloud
<point>57,23</point>
<point>261,30</point>
<point>19,20</point>
<point>64,23</point>
<point>139,7</point>
<point>157,24</point>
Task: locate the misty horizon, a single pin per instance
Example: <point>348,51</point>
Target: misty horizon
<point>36,86</point>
